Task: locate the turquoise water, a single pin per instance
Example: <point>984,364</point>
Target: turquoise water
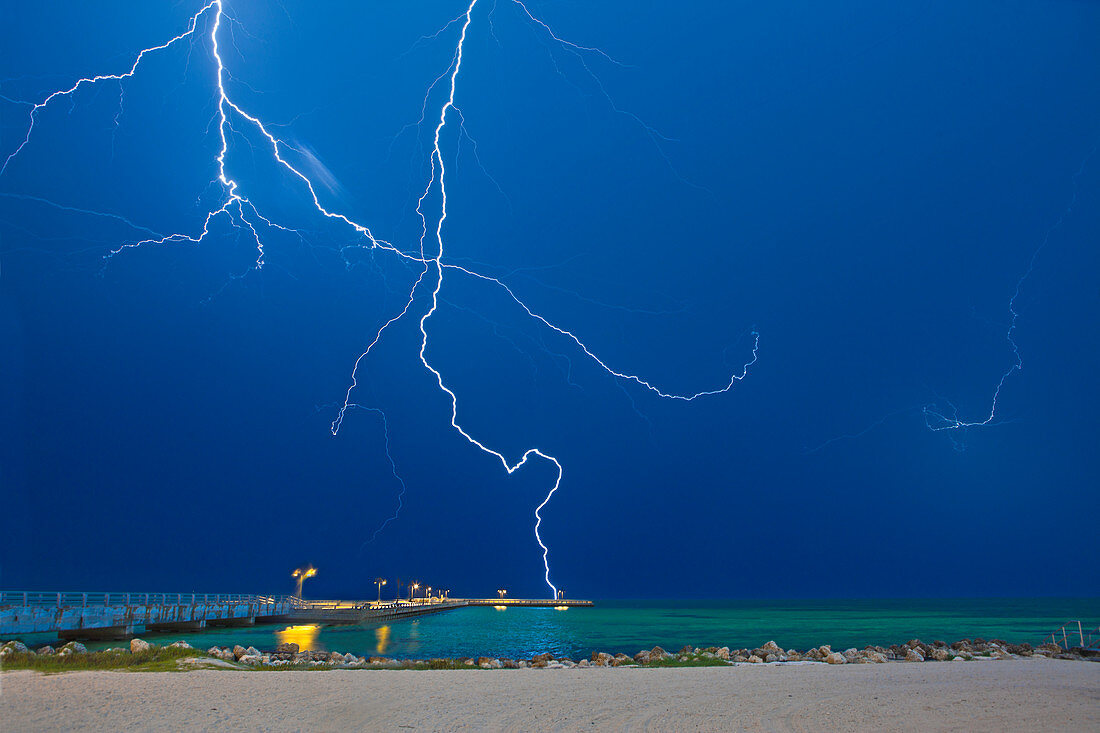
<point>627,626</point>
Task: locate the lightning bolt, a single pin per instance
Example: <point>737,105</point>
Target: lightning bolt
<point>241,213</point>
<point>935,418</point>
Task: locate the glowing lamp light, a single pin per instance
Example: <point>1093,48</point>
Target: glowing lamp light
<point>301,574</point>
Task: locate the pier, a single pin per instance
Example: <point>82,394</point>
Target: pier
<point>528,602</point>
<point>120,615</point>
<point>89,616</point>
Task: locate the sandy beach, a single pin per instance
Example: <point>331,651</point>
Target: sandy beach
<point>1032,694</point>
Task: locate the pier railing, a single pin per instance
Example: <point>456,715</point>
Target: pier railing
<point>69,599</point>
<point>1064,636</point>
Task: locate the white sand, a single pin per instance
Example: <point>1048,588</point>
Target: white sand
<point>1031,694</point>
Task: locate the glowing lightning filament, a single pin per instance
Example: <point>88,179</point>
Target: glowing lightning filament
<point>243,214</point>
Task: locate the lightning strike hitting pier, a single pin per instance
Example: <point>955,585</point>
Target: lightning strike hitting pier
<point>242,214</point>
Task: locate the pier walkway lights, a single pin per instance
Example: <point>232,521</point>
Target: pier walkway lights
<point>502,592</point>
<point>380,582</point>
<point>413,588</point>
<point>301,574</point>
<point>428,593</point>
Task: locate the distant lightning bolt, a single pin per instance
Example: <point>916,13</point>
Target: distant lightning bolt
<point>937,420</point>
<point>242,213</point>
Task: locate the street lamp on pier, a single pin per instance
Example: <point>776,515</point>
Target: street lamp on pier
<point>301,574</point>
<point>380,582</point>
<point>502,592</point>
<point>413,588</point>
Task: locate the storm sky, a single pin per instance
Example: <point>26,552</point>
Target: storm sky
<point>865,185</point>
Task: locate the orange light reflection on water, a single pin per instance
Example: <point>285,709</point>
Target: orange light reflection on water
<point>304,636</point>
<point>382,636</point>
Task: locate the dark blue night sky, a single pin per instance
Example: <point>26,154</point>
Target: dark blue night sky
<point>862,183</point>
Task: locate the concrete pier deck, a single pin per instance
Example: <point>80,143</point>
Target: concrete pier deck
<point>122,615</point>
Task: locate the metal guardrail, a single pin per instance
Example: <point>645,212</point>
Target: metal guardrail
<point>67,599</point>
<point>1063,636</point>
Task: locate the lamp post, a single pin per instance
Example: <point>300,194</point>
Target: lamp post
<point>502,592</point>
<point>301,574</point>
<point>428,594</point>
<point>412,589</point>
<point>380,582</point>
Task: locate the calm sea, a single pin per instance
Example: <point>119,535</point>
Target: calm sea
<point>627,626</point>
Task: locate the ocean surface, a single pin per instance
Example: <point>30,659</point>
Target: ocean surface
<point>628,626</point>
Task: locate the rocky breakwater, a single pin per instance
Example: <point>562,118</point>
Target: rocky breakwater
<point>290,656</point>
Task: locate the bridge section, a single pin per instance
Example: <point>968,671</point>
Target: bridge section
<point>119,615</point>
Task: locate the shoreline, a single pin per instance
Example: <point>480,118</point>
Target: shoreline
<point>144,656</point>
<point>1032,694</point>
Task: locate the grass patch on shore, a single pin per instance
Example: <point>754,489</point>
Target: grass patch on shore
<point>692,661</point>
<point>159,659</point>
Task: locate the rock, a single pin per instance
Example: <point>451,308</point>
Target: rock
<point>139,645</point>
<point>771,658</point>
<point>876,657</point>
<point>47,651</point>
<point>642,657</point>
<point>723,653</point>
<point>793,656</point>
<point>771,648</point>
<point>513,664</point>
<point>306,657</point>
<point>753,659</point>
<point>73,647</point>
<point>601,659</point>
<point>913,655</point>
<point>483,662</point>
<point>252,652</point>
<point>1050,648</point>
<point>851,654</point>
<point>620,659</point>
<point>239,651</point>
<point>251,659</point>
<point>180,645</point>
<point>686,650</point>
<point>13,647</point>
<point>656,654</point>
<point>583,663</point>
<point>835,658</point>
<point>961,645</point>
<point>287,647</point>
<point>957,659</point>
<point>939,654</point>
<point>523,664</point>
<point>1024,650</point>
<point>315,656</point>
<point>335,658</point>
<point>541,660</point>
